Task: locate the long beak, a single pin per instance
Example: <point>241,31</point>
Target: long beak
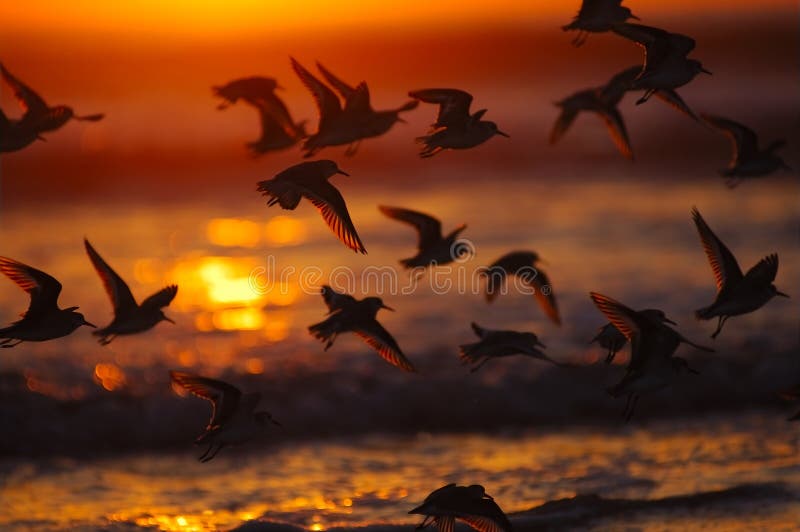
<point>401,120</point>
<point>506,135</point>
<point>779,293</point>
<point>167,318</point>
<point>39,137</point>
<point>705,71</point>
<point>667,320</point>
<point>92,325</point>
<point>275,421</point>
<point>342,172</point>
<point>540,344</point>
<point>634,17</point>
<point>387,307</point>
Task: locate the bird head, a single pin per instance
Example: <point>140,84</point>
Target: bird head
<point>376,303</point>
<point>265,419</point>
<point>329,168</point>
<point>492,127</point>
<point>697,67</point>
<point>164,317</point>
<point>78,319</point>
<point>628,13</point>
<point>680,364</point>
<point>658,316</point>
<point>533,340</point>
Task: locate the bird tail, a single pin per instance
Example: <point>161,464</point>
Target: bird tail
<point>468,352</point>
<point>325,331</point>
<point>279,193</point>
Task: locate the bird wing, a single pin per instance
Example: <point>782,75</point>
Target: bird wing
<point>274,130</point>
<point>484,524</point>
<point>616,128</point>
<point>658,44</point>
<point>224,397</point>
<point>379,339</point>
<point>29,100</point>
<point>613,91</point>
<point>562,124</point>
<point>674,100</point>
<point>723,263</point>
<point>622,317</point>
<point>162,298</point>
<point>43,288</point>
<point>428,227</point>
<point>327,102</point>
<point>765,270</point>
<point>744,139</point>
<point>341,87</point>
<point>356,99</point>
<point>116,288</point>
<point>273,110</point>
<point>453,105</point>
<point>543,291</point>
<point>510,263</point>
<point>335,300</point>
<point>445,523</point>
<point>331,205</point>
<point>480,332</point>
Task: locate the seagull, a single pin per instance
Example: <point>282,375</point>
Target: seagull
<point>455,127</point>
<point>129,317</point>
<point>278,130</point>
<point>748,160</point>
<point>652,365</point>
<point>470,504</point>
<point>625,81</point>
<point>496,344</point>
<point>666,64</point>
<point>39,116</point>
<point>522,265</point>
<point>234,419</point>
<point>43,320</point>
<point>310,180</point>
<point>348,314</point>
<point>597,16</point>
<point>736,293</point>
<point>433,248</point>
<point>609,337</point>
<point>348,124</point>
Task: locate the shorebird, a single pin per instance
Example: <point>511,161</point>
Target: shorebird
<point>625,81</point>
<point>129,317</point>
<point>43,320</point>
<point>792,395</point>
<point>15,135</point>
<point>310,180</point>
<point>455,128</point>
<point>470,504</point>
<point>433,248</point>
<point>609,337</point>
<point>234,419</point>
<point>348,124</point>
<point>496,344</point>
<point>39,116</point>
<point>737,294</point>
<point>652,365</point>
<point>597,16</point>
<point>666,65</point>
<point>748,160</point>
<point>522,265</point>
<point>278,130</point>
<point>348,314</point>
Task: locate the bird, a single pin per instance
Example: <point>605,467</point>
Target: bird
<point>792,395</point>
<point>522,265</point>
<point>129,316</point>
<point>653,364</point>
<point>666,65</point>
<point>278,129</point>
<point>348,314</point>
<point>748,160</point>
<point>15,134</point>
<point>455,128</point>
<point>43,320</point>
<point>597,16</point>
<point>470,504</point>
<point>310,180</point>
<point>609,337</point>
<point>433,248</point>
<point>737,294</point>
<point>234,419</point>
<point>625,81</point>
<point>495,344</point>
<point>344,124</point>
<point>38,115</point>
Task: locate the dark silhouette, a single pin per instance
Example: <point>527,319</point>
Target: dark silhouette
<point>470,504</point>
<point>597,16</point>
<point>496,344</point>
<point>610,338</point>
<point>433,248</point>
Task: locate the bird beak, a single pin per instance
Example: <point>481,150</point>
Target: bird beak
<point>779,293</point>
<point>39,137</point>
<point>92,325</point>
<point>634,17</point>
<point>506,135</point>
<point>280,87</point>
<point>667,320</point>
<point>540,344</point>
<point>705,71</point>
<point>401,120</point>
<point>342,172</point>
<point>387,307</point>
<point>166,318</point>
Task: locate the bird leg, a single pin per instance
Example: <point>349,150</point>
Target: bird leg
<point>330,341</point>
<point>647,94</point>
<point>216,451</point>
<point>611,354</point>
<point>633,406</point>
<point>480,365</point>
<point>105,340</point>
<point>720,323</point>
<point>200,458</point>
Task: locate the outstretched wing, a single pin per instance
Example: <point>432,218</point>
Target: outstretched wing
<point>453,105</point>
<point>331,205</point>
<point>328,103</point>
<point>121,297</point>
<point>224,397</point>
<point>744,139</point>
<point>613,91</point>
<point>563,122</point>
<point>543,291</point>
<point>622,317</point>
<point>335,300</point>
<point>356,99</point>
<point>674,100</point>
<point>32,104</point>
<point>723,263</point>
<point>428,228</point>
<point>43,288</point>
<point>616,128</point>
<point>162,298</point>
<point>379,339</point>
<point>765,270</point>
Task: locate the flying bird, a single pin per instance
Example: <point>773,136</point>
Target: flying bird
<point>737,294</point>
<point>625,81</point>
<point>597,16</point>
<point>310,180</point>
<point>470,504</point>
<point>234,419</point>
<point>455,128</point>
<point>652,364</point>
<point>609,337</point>
<point>347,314</point>
<point>522,265</point>
<point>494,344</point>
<point>748,160</point>
<point>278,129</point>
<point>43,320</point>
<point>129,316</point>
<point>433,248</point>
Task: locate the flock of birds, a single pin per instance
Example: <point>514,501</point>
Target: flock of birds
<point>349,118</point>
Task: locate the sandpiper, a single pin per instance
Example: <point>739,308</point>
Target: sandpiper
<point>522,265</point>
<point>652,365</point>
<point>234,419</point>
<point>470,504</point>
<point>43,320</point>
<point>597,16</point>
<point>347,314</point>
<point>625,81</point>
<point>310,180</point>
<point>455,127</point>
<point>666,64</point>
<point>736,293</point>
<point>495,344</point>
<point>129,317</point>
<point>433,248</point>
<point>748,160</point>
<point>278,129</point>
<point>609,337</point>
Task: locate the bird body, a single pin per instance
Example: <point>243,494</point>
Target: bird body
<point>626,81</point>
<point>522,265</point>
<point>596,16</point>
<point>610,338</point>
<point>496,344</point>
<point>433,248</point>
<point>470,504</point>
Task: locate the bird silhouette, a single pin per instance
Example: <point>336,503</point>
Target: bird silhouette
<point>625,81</point>
<point>433,248</point>
<point>522,265</point>
<point>43,320</point>
<point>16,134</point>
<point>495,344</point>
<point>129,316</point>
<point>609,337</point>
<point>597,16</point>
<point>470,504</point>
<point>310,180</point>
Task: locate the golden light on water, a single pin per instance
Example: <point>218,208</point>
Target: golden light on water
<point>109,376</point>
<point>285,231</point>
<point>238,319</point>
<point>233,232</point>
